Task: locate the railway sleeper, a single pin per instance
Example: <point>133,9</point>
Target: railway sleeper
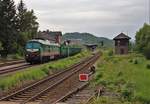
<point>30,92</point>
<point>16,98</point>
<point>42,97</point>
<point>83,95</point>
<point>84,92</point>
<point>13,100</point>
<point>39,99</point>
<point>74,101</point>
<point>26,94</point>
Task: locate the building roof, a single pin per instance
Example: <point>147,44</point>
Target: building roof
<point>121,36</point>
<point>50,35</point>
<point>45,42</point>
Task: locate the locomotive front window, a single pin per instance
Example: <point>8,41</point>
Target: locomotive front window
<point>34,45</point>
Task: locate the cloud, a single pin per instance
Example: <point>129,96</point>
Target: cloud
<point>100,17</point>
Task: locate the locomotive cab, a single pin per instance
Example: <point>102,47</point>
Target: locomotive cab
<point>33,50</point>
<point>38,50</point>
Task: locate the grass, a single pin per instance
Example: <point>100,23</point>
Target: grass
<point>36,73</point>
<point>107,100</point>
<point>127,75</point>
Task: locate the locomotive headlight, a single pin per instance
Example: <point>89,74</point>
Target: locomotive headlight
<point>27,55</point>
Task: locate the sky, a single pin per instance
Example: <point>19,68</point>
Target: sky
<point>103,18</point>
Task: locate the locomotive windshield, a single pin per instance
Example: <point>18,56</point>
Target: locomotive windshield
<point>33,45</point>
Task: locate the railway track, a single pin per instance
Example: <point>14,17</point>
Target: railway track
<point>11,62</point>
<point>82,94</point>
<point>13,68</point>
<point>46,88</point>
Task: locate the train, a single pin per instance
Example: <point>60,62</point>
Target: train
<point>39,50</point>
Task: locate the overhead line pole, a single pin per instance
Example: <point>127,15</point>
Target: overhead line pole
<point>149,11</point>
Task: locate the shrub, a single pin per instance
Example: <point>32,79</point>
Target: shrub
<point>128,91</point>
<point>148,66</point>
<point>135,61</point>
<point>147,52</point>
<point>115,61</point>
<point>130,60</point>
<point>98,76</point>
<point>16,56</point>
<point>119,74</point>
<point>110,53</point>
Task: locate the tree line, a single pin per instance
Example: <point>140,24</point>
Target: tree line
<point>143,40</point>
<point>17,25</point>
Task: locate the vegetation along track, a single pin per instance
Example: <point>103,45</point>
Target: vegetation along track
<point>39,90</point>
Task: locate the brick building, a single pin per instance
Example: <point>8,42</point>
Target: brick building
<point>53,36</point>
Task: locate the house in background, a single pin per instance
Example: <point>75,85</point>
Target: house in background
<point>122,44</point>
<point>52,36</point>
<point>91,47</point>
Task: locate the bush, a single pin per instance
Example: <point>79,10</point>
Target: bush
<point>135,61</point>
<point>3,53</point>
<point>120,74</point>
<point>147,52</point>
<point>110,53</point>
<point>128,91</point>
<point>148,66</point>
<point>98,76</point>
<point>16,56</point>
<point>131,61</point>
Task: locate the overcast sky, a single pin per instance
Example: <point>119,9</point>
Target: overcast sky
<point>103,18</point>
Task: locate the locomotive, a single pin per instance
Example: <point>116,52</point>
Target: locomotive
<point>40,50</point>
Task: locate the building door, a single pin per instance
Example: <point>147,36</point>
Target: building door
<point>121,51</point>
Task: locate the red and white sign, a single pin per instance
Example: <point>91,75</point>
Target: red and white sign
<point>83,77</point>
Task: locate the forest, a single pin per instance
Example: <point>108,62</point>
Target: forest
<point>17,25</point>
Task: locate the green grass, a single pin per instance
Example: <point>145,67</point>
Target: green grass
<point>35,73</point>
<point>107,100</point>
<point>127,75</point>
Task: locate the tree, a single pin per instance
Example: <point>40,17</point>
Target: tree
<point>16,26</point>
<point>32,24</point>
<point>7,25</point>
<point>21,16</point>
<point>143,40</point>
<point>27,25</point>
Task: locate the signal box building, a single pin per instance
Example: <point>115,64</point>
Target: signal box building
<point>121,44</point>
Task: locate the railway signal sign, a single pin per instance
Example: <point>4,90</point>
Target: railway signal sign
<point>83,77</point>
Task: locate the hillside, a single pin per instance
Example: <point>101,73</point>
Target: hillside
<point>88,38</point>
